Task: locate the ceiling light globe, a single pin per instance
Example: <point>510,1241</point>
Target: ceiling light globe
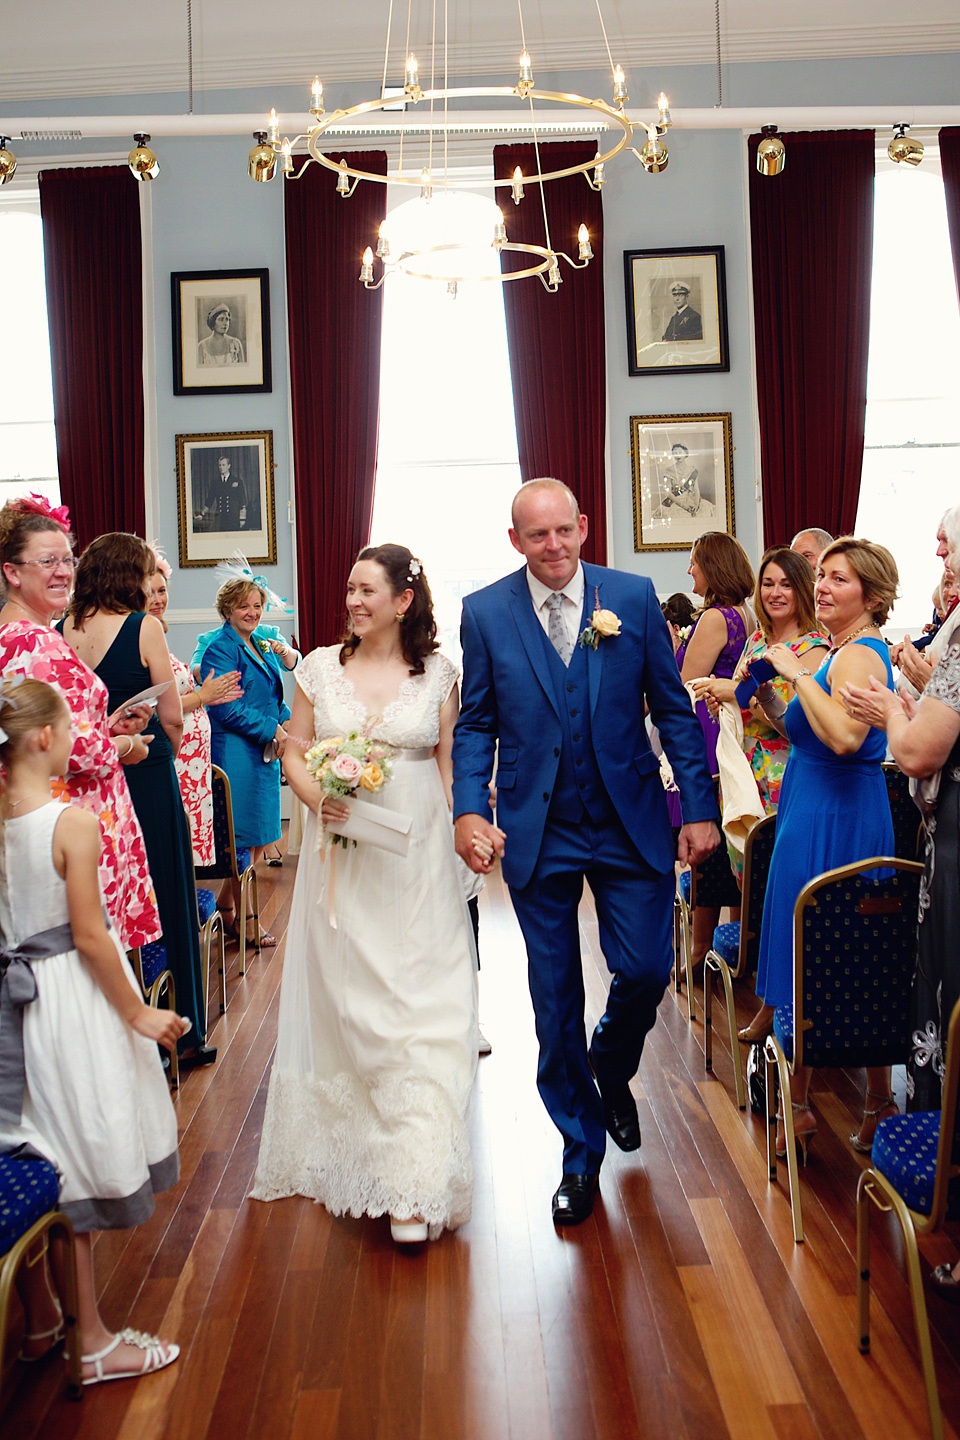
<point>903,148</point>
<point>771,153</point>
<point>8,162</point>
<point>654,156</point>
<point>262,164</point>
<point>142,161</point>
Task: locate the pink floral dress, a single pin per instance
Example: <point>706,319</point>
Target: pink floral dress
<point>94,778</point>
<point>193,771</point>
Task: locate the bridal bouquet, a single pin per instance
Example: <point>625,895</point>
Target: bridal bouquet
<point>341,765</point>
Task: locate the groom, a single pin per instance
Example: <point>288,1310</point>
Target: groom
<point>579,797</point>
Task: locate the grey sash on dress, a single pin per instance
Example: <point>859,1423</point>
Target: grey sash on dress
<point>18,988</point>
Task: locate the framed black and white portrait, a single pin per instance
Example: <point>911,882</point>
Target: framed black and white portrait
<point>676,310</point>
<point>682,479</point>
<point>225,497</point>
<point>221,332</point>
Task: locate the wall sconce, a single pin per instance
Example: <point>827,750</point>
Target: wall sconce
<point>262,164</point>
<point>771,155</point>
<point>8,161</point>
<point>902,148</point>
<point>142,161</point>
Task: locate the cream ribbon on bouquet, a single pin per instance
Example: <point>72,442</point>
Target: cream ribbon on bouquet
<point>742,806</point>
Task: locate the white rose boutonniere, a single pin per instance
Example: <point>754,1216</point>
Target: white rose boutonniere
<point>604,624</point>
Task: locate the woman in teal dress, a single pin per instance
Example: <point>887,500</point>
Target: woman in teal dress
<point>248,734</point>
<point>833,801</point>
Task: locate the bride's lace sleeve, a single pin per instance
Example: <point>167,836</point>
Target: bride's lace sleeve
<point>944,683</point>
<point>308,674</point>
<point>445,676</point>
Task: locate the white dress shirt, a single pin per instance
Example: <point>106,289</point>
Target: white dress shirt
<point>571,611</point>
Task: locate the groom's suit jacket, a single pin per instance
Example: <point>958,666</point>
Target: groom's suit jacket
<point>509,696</point>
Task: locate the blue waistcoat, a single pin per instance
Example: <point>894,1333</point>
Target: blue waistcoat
<point>579,789</point>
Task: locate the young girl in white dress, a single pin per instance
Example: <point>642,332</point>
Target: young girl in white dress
<point>377,1042</point>
<point>92,1098</point>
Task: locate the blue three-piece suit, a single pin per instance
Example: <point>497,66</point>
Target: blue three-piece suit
<point>579,795</point>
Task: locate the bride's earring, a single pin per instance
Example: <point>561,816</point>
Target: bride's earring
<point>400,614</point>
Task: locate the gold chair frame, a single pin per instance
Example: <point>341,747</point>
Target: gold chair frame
<point>773,1052</point>
<point>875,1187</point>
<point>40,1232</point>
<point>247,881</point>
<point>163,985</point>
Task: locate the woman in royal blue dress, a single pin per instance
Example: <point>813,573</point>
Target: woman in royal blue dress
<point>833,801</point>
<point>248,734</point>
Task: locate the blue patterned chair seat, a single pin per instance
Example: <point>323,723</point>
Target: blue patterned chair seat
<point>783,1029</point>
<point>28,1189</point>
<point>243,858</point>
<point>153,961</point>
<point>684,885</point>
<point>905,1152</point>
<point>206,905</point>
<point>726,941</point>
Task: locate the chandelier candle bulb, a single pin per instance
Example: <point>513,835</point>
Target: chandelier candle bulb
<point>316,96</point>
<point>583,237</point>
<point>286,159</point>
<point>411,78</point>
<point>499,231</point>
<point>517,186</point>
<point>554,278</point>
<point>383,244</point>
<point>426,186</point>
<point>599,175</point>
<point>343,180</point>
<point>273,127</point>
<point>366,266</point>
<point>663,105</point>
<point>620,86</point>
<point>526,73</point>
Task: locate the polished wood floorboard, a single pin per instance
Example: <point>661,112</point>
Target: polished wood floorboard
<point>682,1308</point>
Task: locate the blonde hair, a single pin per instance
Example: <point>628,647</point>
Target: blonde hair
<point>233,593</point>
<point>27,705</point>
<point>876,570</point>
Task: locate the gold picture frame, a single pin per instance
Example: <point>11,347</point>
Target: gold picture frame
<point>682,478</point>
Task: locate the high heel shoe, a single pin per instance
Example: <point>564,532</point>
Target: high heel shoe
<point>863,1143</point>
<point>408,1232</point>
<point>759,1028</point>
<point>802,1135</point>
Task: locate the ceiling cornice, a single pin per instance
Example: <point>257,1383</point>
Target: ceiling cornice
<point>168,75</point>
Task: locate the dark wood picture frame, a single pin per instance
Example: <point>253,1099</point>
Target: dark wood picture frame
<point>235,361</point>
<point>662,336</point>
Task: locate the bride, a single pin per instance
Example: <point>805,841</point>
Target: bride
<point>377,1043</point>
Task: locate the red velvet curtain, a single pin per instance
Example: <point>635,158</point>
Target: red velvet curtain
<point>557,352</point>
<point>812,234</point>
<point>950,165</point>
<point>334,334</point>
<point>91,249</point>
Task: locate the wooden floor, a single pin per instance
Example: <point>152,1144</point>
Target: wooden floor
<point>682,1308</point>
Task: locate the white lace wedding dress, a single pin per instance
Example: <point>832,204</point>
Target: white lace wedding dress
<point>377,1043</point>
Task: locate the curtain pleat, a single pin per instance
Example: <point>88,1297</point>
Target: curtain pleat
<point>950,166</point>
<point>92,257</point>
<point>812,238</point>
<point>556,342</point>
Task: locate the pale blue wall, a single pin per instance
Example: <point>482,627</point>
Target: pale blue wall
<point>208,214</point>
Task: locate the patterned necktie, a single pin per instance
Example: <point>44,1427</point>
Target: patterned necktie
<point>557,632</point>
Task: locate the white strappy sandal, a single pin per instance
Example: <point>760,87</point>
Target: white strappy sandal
<point>157,1355</point>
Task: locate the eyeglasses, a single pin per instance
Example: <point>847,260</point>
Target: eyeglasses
<point>51,562</point>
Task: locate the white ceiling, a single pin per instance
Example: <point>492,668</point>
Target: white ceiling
<point>62,48</point>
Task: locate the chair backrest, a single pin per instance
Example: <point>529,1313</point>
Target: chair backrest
<point>948,1149</point>
<point>903,812</point>
<point>712,882</point>
<point>854,955</point>
<point>225,863</point>
<point>756,866</point>
<point>153,962</point>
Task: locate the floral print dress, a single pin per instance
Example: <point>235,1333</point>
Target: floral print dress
<point>193,771</point>
<point>94,778</point>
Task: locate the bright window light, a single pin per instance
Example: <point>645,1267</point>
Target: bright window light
<point>447,463</point>
<point>28,451</point>
<point>911,463</point>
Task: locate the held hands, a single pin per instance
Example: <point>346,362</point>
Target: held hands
<point>333,810</point>
<point>913,664</point>
<point>129,722</point>
<point>714,692</point>
<point>478,841</point>
<point>162,1026</point>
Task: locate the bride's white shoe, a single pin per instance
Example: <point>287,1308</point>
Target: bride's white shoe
<point>408,1232</point>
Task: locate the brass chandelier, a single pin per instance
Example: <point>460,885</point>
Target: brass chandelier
<point>440,262</point>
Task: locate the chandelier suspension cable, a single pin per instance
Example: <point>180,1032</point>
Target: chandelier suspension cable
<point>605,40</point>
<point>716,12</point>
<point>190,55</point>
<point>403,116</point>
<point>433,84</point>
<point>536,137</point>
<point>446,97</point>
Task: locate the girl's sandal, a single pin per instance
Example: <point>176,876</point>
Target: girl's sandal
<point>860,1142</point>
<point>157,1355</point>
<point>53,1336</point>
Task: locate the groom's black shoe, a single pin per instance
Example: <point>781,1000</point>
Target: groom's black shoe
<point>619,1113</point>
<point>573,1201</point>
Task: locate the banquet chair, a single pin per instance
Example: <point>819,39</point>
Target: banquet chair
<point>711,883</point>
<point>854,954</point>
<point>211,930</point>
<point>736,945</point>
<point>903,813</point>
<point>28,1219</point>
<point>155,979</point>
<point>231,863</point>
<point>914,1164</point>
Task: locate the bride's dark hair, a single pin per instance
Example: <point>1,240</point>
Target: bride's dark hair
<point>418,629</point>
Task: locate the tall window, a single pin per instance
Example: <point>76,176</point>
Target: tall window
<point>911,463</point>
<point>447,463</point>
<point>28,451</point>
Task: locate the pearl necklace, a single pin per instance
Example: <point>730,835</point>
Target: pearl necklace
<point>856,634</point>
